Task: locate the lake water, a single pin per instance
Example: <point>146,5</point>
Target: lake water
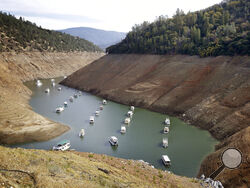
<point>188,145</point>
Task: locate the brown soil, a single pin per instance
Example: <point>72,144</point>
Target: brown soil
<point>18,123</point>
<point>212,93</point>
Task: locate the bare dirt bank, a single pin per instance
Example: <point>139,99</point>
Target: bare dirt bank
<point>18,123</point>
<point>212,93</point>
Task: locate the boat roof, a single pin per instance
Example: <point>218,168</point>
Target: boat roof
<point>63,142</point>
<point>165,158</point>
<point>113,138</point>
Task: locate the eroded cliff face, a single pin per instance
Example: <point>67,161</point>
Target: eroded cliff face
<point>18,123</point>
<point>212,93</point>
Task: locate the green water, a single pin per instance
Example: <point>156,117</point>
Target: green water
<point>188,145</point>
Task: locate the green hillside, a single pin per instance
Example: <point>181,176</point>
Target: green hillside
<point>21,35</point>
<point>222,29</point>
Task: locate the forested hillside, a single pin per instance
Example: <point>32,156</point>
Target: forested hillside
<point>21,35</point>
<point>222,29</point>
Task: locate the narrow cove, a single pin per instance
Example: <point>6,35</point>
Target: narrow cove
<point>187,148</point>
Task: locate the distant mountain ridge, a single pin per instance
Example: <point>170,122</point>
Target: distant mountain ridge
<point>21,35</point>
<point>101,38</point>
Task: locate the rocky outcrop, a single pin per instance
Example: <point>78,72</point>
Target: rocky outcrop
<point>212,93</point>
<point>18,123</point>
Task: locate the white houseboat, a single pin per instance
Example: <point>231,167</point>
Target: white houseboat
<point>97,112</point>
<point>166,130</point>
<point>91,119</point>
<point>113,141</point>
<point>62,146</point>
<point>130,114</point>
<point>104,102</point>
<point>167,121</point>
<point>127,120</point>
<point>82,133</point>
<point>132,108</point>
<point>165,142</point>
<point>165,160</point>
<point>59,109</point>
<point>123,129</point>
<point>39,83</point>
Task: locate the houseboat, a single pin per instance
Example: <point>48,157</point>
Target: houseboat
<point>167,121</point>
<point>127,120</point>
<point>123,129</point>
<point>62,146</point>
<point>165,160</point>
<point>91,119</point>
<point>59,109</point>
<point>113,141</point>
<point>82,133</point>
<point>166,130</point>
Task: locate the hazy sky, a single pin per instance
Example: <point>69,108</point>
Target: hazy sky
<point>116,15</point>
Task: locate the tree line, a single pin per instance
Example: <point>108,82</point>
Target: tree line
<point>21,35</point>
<point>222,29</point>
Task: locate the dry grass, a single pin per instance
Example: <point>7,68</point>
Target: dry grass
<point>75,169</point>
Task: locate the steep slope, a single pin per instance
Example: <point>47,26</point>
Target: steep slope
<point>20,35</point>
<point>39,168</point>
<point>99,37</point>
<point>18,123</point>
<point>231,178</point>
<point>222,29</point>
<point>212,93</point>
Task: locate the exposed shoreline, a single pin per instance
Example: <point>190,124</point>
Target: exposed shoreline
<point>17,117</point>
<point>18,122</point>
<point>210,93</point>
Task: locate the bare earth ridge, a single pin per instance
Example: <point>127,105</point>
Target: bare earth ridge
<point>212,93</point>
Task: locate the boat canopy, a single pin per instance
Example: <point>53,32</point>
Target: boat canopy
<point>63,142</point>
<point>165,158</point>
